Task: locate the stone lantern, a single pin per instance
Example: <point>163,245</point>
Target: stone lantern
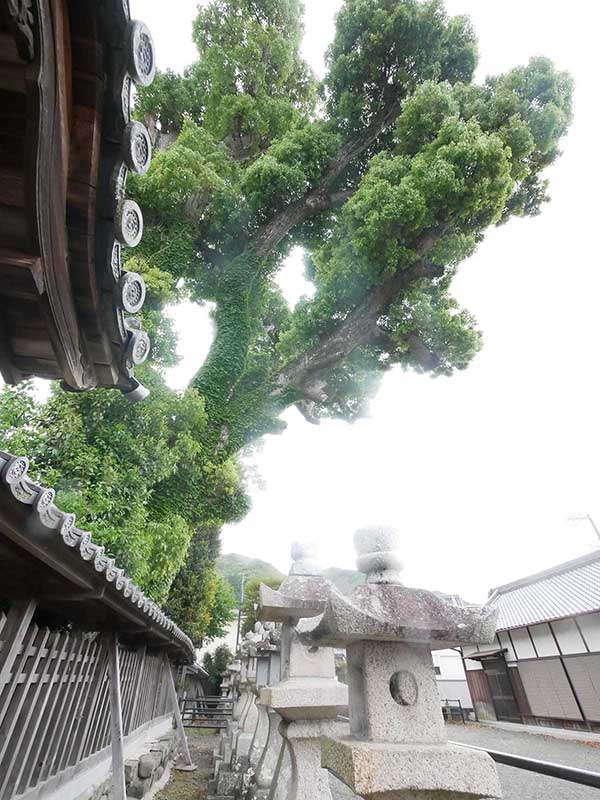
<point>308,697</point>
<point>267,671</point>
<point>397,748</point>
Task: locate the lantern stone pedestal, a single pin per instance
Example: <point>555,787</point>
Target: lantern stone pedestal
<point>231,779</point>
<point>267,764</point>
<point>261,734</point>
<point>397,748</point>
<point>309,697</point>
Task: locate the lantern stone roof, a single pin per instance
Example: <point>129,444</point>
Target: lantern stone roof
<point>390,612</point>
<point>297,597</point>
<point>67,143</point>
<point>44,554</point>
<point>382,609</point>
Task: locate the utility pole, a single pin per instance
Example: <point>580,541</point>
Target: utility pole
<point>239,624</point>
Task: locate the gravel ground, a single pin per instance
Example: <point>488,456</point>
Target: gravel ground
<point>192,785</point>
<point>520,785</point>
<point>516,784</point>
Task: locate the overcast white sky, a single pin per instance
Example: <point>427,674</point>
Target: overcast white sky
<point>479,471</point>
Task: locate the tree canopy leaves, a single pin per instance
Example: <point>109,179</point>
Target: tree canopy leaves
<point>388,182</point>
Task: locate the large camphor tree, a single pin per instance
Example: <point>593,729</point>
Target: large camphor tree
<point>387,174</point>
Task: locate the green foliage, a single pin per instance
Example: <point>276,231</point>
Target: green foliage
<point>383,49</point>
<point>292,166</point>
<point>428,161</point>
<point>194,177</point>
<point>110,462</point>
<point>170,98</point>
<point>201,600</point>
<point>257,85</point>
<point>142,478</point>
<point>251,598</point>
<point>463,158</point>
<point>216,664</point>
<point>431,331</point>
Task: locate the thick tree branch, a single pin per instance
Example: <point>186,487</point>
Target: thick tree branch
<point>359,328</point>
<point>232,320</point>
<point>337,199</point>
<point>320,198</point>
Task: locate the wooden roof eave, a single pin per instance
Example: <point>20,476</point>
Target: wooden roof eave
<point>80,59</point>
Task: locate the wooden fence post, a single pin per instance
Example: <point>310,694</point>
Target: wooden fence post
<point>116,718</point>
<point>189,766</point>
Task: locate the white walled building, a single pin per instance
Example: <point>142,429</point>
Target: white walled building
<point>544,666</point>
<point>451,677</point>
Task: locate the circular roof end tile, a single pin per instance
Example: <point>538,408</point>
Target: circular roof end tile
<point>137,147</point>
<point>132,292</point>
<point>142,60</point>
<point>129,223</point>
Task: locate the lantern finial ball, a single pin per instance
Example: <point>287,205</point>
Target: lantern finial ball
<point>377,554</point>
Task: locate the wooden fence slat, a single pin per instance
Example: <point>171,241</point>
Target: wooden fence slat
<point>40,767</point>
<point>43,692</point>
<point>160,677</point>
<point>13,631</point>
<point>140,661</point>
<point>104,730</point>
<point>100,710</point>
<point>39,732</point>
<point>147,688</point>
<point>18,667</point>
<point>66,693</point>
<point>128,683</point>
<point>78,714</point>
<point>13,739</point>
<point>65,712</point>
<point>92,699</point>
<point>81,668</point>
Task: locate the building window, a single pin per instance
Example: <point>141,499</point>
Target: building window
<point>438,670</point>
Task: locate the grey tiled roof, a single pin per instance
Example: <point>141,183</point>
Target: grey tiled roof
<point>46,516</point>
<point>563,591</point>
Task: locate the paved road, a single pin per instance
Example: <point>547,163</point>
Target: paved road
<point>520,785</point>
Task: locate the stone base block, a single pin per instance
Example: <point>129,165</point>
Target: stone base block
<point>228,784</point>
<point>306,698</point>
<point>243,745</point>
<point>384,771</point>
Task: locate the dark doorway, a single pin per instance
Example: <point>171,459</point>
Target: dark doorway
<point>501,688</point>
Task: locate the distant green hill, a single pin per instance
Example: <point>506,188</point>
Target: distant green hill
<point>233,566</point>
<point>345,580</point>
